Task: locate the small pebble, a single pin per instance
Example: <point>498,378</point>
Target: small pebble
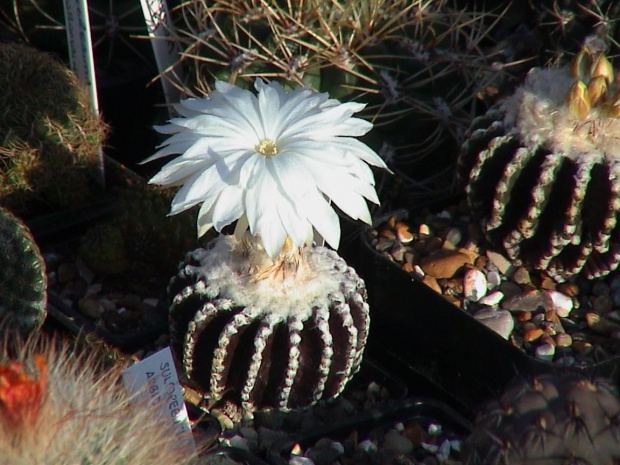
<point>562,303</point>
<point>545,352</point>
<point>504,266</point>
<point>402,233</point>
<point>394,440</point>
<point>500,321</point>
<point>444,264</point>
<point>492,299</point>
<point>563,340</point>
<point>474,285</point>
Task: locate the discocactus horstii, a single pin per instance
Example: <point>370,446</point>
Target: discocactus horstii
<point>23,280</point>
<point>563,418</point>
<point>541,169</point>
<point>265,314</point>
<point>285,341</point>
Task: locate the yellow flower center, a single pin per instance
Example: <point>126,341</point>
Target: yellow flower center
<point>267,148</point>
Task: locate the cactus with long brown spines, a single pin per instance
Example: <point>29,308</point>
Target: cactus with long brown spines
<point>417,64</point>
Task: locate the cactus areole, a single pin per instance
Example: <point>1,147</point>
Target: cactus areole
<point>542,168</point>
<point>264,313</point>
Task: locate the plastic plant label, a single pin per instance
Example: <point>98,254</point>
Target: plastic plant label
<point>81,57</point>
<point>80,46</point>
<point>166,51</point>
<point>154,381</point>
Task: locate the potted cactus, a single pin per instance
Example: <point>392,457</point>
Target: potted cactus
<point>525,266</point>
<point>264,315</point>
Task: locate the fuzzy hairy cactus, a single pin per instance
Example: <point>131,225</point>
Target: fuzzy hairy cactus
<point>284,345</point>
<point>58,407</point>
<point>49,137</point>
<point>541,169</point>
<point>417,64</point>
<point>23,280</point>
<point>552,419</point>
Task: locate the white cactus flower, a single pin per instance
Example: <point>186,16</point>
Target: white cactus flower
<point>274,159</point>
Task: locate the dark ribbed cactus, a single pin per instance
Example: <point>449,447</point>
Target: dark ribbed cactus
<point>284,345</point>
<point>541,169</point>
<point>555,419</point>
<point>23,281</point>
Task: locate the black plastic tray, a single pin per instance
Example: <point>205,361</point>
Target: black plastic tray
<point>418,333</point>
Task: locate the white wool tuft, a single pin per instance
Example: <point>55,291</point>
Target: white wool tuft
<point>226,265</point>
<point>540,116</point>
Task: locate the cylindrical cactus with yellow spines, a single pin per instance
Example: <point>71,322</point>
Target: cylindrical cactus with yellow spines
<point>542,168</point>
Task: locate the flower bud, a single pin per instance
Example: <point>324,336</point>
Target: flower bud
<point>597,89</point>
<point>578,100</point>
<point>602,67</point>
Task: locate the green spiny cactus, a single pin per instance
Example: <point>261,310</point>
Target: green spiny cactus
<point>49,137</point>
<point>419,65</point>
<point>552,419</point>
<point>140,232</point>
<point>59,406</point>
<point>23,281</point>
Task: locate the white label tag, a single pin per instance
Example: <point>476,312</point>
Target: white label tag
<point>166,51</point>
<point>80,46</point>
<point>81,57</point>
<point>154,380</point>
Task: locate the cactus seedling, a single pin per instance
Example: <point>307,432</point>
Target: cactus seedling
<point>23,280</point>
<point>552,419</point>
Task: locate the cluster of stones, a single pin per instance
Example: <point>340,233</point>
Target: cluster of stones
<point>426,439</point>
<point>541,170</point>
<point>571,323</point>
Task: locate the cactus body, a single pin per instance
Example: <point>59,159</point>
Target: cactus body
<point>140,232</point>
<point>49,137</point>
<point>553,419</point>
<point>23,280</point>
<point>59,407</point>
<point>541,170</point>
<point>275,345</point>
